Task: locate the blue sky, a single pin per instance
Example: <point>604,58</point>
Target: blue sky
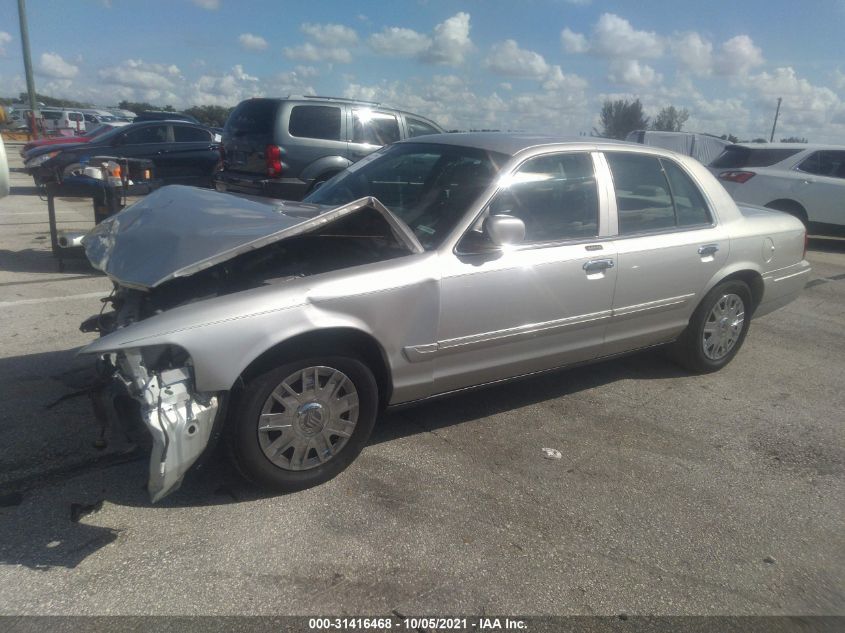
<point>534,65</point>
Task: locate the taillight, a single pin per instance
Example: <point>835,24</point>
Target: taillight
<point>737,176</point>
<point>273,159</point>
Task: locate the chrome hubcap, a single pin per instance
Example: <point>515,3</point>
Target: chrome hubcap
<point>308,418</point>
<point>723,326</point>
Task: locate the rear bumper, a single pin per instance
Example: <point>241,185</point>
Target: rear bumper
<point>283,188</point>
<point>783,286</point>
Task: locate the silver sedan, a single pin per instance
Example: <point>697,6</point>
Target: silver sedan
<point>434,265</point>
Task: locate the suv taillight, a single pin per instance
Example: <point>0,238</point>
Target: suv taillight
<point>737,176</point>
<point>273,159</point>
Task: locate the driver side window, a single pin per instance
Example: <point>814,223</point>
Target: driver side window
<point>554,195</point>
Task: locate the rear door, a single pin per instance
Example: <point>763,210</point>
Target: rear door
<point>823,186</point>
<point>668,246</point>
<point>192,156</point>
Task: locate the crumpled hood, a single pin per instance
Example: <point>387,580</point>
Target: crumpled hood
<point>177,231</point>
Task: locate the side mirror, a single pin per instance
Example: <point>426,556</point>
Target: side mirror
<point>504,230</point>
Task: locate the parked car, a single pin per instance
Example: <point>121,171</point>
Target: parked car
<point>804,180</point>
<point>702,147</point>
<point>284,148</point>
<point>434,265</point>
<point>182,152</point>
<point>65,140</point>
<point>163,115</point>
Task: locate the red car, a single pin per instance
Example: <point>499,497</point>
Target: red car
<point>61,140</point>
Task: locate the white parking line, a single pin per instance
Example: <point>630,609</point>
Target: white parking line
<point>20,302</point>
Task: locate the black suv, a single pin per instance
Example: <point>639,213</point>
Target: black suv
<point>283,148</point>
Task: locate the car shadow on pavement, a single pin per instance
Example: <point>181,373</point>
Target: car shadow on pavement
<point>48,514</point>
<point>32,260</point>
<point>30,190</point>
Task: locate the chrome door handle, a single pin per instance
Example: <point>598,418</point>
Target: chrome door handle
<point>598,264</point>
<point>708,249</point>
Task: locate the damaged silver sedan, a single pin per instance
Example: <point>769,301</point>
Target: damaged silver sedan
<point>434,265</point>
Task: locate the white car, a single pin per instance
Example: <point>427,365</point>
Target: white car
<point>807,181</point>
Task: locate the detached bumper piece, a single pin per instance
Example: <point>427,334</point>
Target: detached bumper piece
<point>180,420</point>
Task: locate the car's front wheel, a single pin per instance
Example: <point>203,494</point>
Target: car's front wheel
<point>301,424</point>
<point>717,328</point>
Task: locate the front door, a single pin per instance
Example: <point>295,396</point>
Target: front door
<point>542,304</point>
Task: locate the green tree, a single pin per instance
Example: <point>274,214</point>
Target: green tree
<point>141,106</point>
<point>53,102</point>
<point>793,139</point>
<point>730,138</point>
<point>670,119</point>
<point>619,117</point>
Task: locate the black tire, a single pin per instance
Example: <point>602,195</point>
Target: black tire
<point>319,181</point>
<point>245,446</point>
<point>689,350</point>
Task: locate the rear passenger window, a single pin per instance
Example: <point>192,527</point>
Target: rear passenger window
<point>375,128</point>
<point>690,207</point>
<point>654,194</point>
<point>419,128</point>
<point>148,134</point>
<point>826,163</point>
<point>643,199</point>
<point>322,122</point>
<point>555,196</point>
<point>184,134</point>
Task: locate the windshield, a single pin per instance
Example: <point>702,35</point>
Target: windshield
<point>429,187</point>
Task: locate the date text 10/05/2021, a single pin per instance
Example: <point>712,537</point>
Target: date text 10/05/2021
<point>415,624</point>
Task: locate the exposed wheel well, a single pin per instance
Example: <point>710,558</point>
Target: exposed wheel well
<point>322,178</point>
<point>754,281</point>
<point>332,341</point>
<point>789,206</point>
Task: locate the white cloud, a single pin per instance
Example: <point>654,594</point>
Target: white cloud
<point>839,79</point>
<point>573,42</point>
<point>330,43</point>
<point>738,56</point>
<point>615,38</point>
<point>400,41</point>
<point>208,5</point>
<point>53,65</point>
<point>225,90</point>
<point>507,58</point>
<point>451,42</point>
<point>135,73</point>
<point>308,52</point>
<point>332,35</point>
<point>252,42</point>
<point>447,45</point>
<point>557,81</point>
<point>804,104</point>
<point>632,73</point>
<point>693,53</point>
<point>5,39</point>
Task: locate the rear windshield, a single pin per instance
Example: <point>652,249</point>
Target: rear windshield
<point>257,116</point>
<point>737,156</point>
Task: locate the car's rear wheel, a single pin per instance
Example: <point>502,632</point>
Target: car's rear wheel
<point>301,424</point>
<point>717,328</point>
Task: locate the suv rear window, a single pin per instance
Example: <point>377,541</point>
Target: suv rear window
<point>321,122</point>
<point>256,116</point>
<point>737,156</point>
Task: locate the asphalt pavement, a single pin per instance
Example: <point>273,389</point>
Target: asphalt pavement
<point>673,494</point>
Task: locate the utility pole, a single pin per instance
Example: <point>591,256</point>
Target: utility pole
<point>27,66</point>
<point>774,125</point>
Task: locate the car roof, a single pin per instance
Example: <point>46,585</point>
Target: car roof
<point>800,146</point>
<point>512,143</point>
